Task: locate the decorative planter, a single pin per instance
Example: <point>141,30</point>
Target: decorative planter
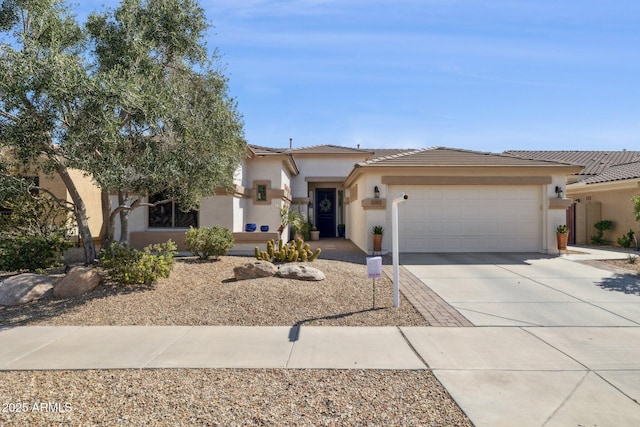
<point>377,242</point>
<point>341,229</point>
<point>315,235</point>
<point>250,227</point>
<point>264,228</point>
<point>562,240</point>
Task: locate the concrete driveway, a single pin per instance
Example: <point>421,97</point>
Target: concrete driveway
<point>558,342</point>
<point>513,289</point>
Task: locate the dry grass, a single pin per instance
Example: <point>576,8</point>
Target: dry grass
<point>205,293</point>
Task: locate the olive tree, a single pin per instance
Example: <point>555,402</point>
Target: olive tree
<point>166,123</point>
<point>134,101</point>
<point>43,81</point>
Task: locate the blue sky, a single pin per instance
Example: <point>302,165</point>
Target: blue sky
<point>486,75</point>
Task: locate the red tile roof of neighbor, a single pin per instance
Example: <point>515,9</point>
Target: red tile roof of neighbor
<point>598,166</point>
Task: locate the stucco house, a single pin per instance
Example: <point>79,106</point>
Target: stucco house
<point>459,200</point>
<point>601,189</point>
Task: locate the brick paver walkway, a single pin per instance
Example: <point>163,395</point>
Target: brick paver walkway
<point>434,309</point>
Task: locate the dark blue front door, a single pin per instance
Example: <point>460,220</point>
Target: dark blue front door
<point>326,211</point>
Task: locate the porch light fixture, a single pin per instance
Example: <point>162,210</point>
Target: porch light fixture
<point>376,192</point>
<point>559,192</point>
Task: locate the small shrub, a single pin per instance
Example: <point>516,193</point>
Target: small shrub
<point>32,252</point>
<point>34,231</point>
<point>562,229</point>
<point>206,242</point>
<point>626,240</point>
<point>601,226</point>
<point>128,266</point>
<point>632,259</point>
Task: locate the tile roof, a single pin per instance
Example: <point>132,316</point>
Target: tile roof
<point>597,166</point>
<point>330,149</point>
<point>267,150</point>
<point>443,156</point>
<point>616,173</point>
<point>593,162</point>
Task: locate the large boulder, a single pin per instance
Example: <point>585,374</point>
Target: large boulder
<point>253,270</point>
<point>78,281</point>
<point>24,288</point>
<point>300,272</point>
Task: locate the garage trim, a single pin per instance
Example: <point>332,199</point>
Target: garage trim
<point>466,180</point>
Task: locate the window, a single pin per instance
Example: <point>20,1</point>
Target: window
<point>261,193</point>
<point>169,215</point>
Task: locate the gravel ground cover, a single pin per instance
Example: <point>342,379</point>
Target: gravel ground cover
<point>624,264</point>
<point>228,398</point>
<point>206,293</point>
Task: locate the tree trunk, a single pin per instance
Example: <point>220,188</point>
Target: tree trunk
<point>124,218</point>
<point>108,223</point>
<point>80,211</point>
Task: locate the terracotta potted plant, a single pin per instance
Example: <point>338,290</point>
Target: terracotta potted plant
<point>562,234</point>
<point>378,231</point>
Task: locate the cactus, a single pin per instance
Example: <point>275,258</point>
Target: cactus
<point>315,255</point>
<point>295,250</point>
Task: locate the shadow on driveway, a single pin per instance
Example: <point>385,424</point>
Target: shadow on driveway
<point>472,258</point>
<point>626,283</point>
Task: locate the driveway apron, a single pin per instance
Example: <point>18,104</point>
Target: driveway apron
<point>557,341</point>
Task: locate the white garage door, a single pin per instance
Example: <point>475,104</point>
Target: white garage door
<point>470,219</point>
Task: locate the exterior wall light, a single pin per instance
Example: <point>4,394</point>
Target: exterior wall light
<point>376,192</point>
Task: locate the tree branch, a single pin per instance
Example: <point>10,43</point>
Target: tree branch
<point>136,205</point>
<point>8,116</point>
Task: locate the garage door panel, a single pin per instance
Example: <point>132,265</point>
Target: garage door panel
<point>470,219</point>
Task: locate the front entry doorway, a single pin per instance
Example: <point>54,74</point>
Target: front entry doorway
<point>326,211</point>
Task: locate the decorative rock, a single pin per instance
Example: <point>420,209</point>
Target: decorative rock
<point>300,272</point>
<point>253,270</point>
<point>78,281</point>
<point>24,288</point>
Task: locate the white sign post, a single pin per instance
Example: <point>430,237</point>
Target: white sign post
<point>374,271</point>
<point>400,198</point>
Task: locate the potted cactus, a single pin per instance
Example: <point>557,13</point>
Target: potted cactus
<point>562,235</point>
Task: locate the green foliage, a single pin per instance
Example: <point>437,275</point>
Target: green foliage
<point>128,266</point>
<point>208,242</point>
<point>632,259</point>
<point>34,230</point>
<point>377,229</point>
<point>562,229</point>
<point>601,226</point>
<point>626,240</point>
<point>133,100</point>
<point>294,251</point>
<point>636,206</point>
<point>293,218</point>
<point>306,229</point>
<point>31,253</point>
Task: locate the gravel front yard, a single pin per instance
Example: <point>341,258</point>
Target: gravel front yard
<point>230,398</point>
<point>205,293</point>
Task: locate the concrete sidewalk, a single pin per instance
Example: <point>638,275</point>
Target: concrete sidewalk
<point>525,376</point>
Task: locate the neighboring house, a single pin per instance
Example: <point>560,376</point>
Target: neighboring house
<point>85,186</point>
<point>459,200</point>
<point>601,189</point>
